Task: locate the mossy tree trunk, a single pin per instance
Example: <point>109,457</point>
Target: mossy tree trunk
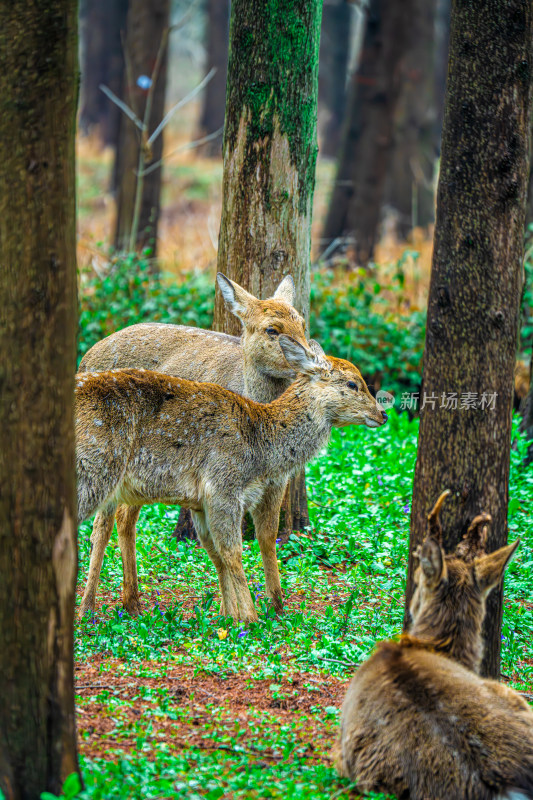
<point>38,548</point>
<point>217,48</point>
<point>270,154</point>
<point>476,281</point>
<point>146,27</point>
<point>357,196</point>
<point>416,138</point>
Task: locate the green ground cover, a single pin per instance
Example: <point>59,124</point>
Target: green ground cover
<point>344,584</point>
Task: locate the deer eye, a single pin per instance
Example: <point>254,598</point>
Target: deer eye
<point>272,332</point>
<point>352,385</point>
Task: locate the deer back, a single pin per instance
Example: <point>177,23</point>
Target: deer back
<point>253,365</point>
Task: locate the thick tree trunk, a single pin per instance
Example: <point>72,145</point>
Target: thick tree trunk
<point>476,281</point>
<point>217,48</point>
<point>269,162</point>
<point>147,24</point>
<point>358,192</point>
<point>410,191</point>
<point>333,70</point>
<point>38,548</point>
<point>102,24</point>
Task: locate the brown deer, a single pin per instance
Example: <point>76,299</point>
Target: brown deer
<point>145,437</point>
<point>417,720</point>
<point>253,365</point>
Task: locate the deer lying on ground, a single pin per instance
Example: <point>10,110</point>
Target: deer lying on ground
<point>253,365</point>
<point>145,437</point>
<point>417,720</point>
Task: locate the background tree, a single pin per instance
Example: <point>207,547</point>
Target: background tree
<point>476,281</point>
<point>355,204</point>
<point>270,154</point>
<point>102,26</point>
<point>410,187</point>
<point>147,25</point>
<point>335,40</point>
<point>214,102</point>
<point>38,548</point>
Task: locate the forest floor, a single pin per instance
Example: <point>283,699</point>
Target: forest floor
<point>182,703</point>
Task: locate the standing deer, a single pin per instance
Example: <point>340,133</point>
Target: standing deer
<point>253,365</point>
<point>145,437</point>
<point>417,720</point>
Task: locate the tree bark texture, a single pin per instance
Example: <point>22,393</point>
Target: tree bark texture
<point>146,26</point>
<point>333,71</point>
<point>102,25</point>
<point>217,49</point>
<point>355,204</point>
<point>410,190</point>
<point>476,281</point>
<point>38,547</point>
<point>270,155</point>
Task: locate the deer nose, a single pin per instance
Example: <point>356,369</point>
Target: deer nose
<point>385,416</point>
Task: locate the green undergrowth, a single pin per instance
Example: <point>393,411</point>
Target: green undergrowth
<point>344,584</point>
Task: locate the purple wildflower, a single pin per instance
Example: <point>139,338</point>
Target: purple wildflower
<point>380,480</point>
<point>406,509</point>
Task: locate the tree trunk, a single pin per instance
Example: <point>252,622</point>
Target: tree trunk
<point>476,281</point>
<point>212,117</point>
<point>102,62</point>
<point>358,192</point>
<point>147,24</point>
<point>38,547</point>
<point>410,180</point>
<point>269,163</point>
<point>333,71</point>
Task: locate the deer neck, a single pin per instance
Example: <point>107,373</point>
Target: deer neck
<point>260,386</point>
<point>297,427</point>
<point>463,644</point>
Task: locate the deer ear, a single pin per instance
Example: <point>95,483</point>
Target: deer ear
<point>489,569</point>
<point>298,357</point>
<point>237,299</point>
<point>286,290</point>
<point>316,348</point>
<point>432,562</point>
<point>320,356</point>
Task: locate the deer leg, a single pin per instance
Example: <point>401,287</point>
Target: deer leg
<point>102,530</point>
<point>266,521</point>
<point>127,517</point>
<point>204,537</point>
<point>225,530</point>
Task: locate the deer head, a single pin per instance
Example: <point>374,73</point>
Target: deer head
<point>263,321</point>
<point>340,391</point>
<point>448,605</point>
